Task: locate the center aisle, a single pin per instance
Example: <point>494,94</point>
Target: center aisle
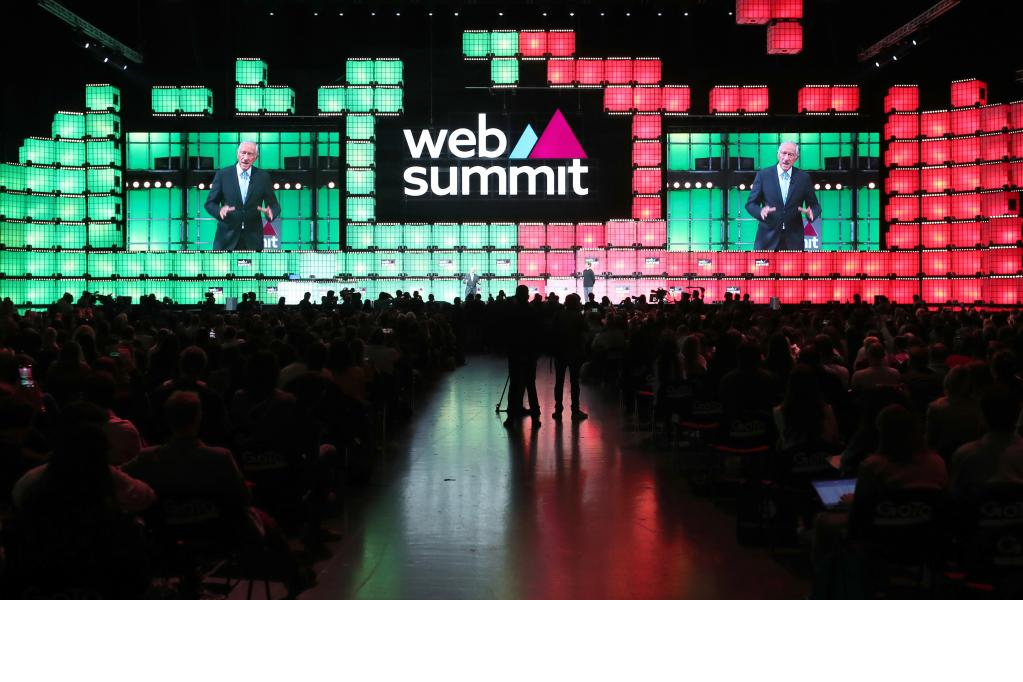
<point>464,508</point>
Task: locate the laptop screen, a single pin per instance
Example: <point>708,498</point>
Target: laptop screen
<point>831,492</point>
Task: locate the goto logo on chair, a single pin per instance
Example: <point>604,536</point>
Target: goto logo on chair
<point>550,164</point>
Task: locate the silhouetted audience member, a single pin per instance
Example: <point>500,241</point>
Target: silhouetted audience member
<point>955,418</point>
<point>997,456</point>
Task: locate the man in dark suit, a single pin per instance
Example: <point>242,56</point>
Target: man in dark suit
<point>236,200</point>
<point>776,201</point>
<point>589,279</point>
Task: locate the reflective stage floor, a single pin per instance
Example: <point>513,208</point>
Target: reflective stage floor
<point>463,508</point>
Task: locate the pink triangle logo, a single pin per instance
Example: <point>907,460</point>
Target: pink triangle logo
<point>557,141</point>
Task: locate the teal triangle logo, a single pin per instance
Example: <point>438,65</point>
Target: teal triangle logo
<point>525,144</point>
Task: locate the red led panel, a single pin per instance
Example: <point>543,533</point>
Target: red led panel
<point>648,98</point>
<point>1002,261</point>
<point>651,232</point>
<point>532,235</point>
<point>789,264</point>
<point>903,209</point>
<point>934,152</point>
<point>1002,230</point>
<point>652,262</point>
<point>997,203</point>
<point>676,100</point>
<point>1015,115</point>
<point>904,181</point>
<point>965,149</point>
<point>844,289</point>
<point>725,98</point>
<point>964,178</point>
<point>1003,290</point>
<point>647,71</point>
<point>532,43</point>
<point>903,264</point>
<point>966,289</point>
<point>646,208</point>
<point>937,262</point>
<point>561,71</point>
<point>968,93</point>
<point>815,98</point>
<point>532,263</point>
<point>937,207</point>
<point>935,235</point>
<point>704,263</point>
<point>754,99</point>
<point>875,263</point>
<point>618,71</point>
<point>561,235</point>
<point>902,98</point>
<point>966,262</point>
<point>965,121</point>
<point>734,263</point>
<point>763,290</point>
<point>590,235</point>
<point>1016,145</point>
<point>847,263</point>
<point>935,178</point>
<point>621,232</point>
<point>902,127</point>
<point>901,237</point>
<point>937,290</point>
<point>994,175</point>
<point>646,180</point>
<point>819,263</point>
<point>598,258</point>
<point>845,98</point>
<point>902,154</point>
<point>561,43</point>
<point>994,147</point>
<point>561,263</point>
<point>621,261</point>
<point>994,118</point>
<point>935,123</point>
<point>753,12</point>
<point>589,71</point>
<point>786,9</point>
<point>620,289</point>
<point>646,127</point>
<point>965,234</point>
<point>899,291</point>
<point>1016,174</point>
<point>618,98</point>
<point>646,153</point>
<point>784,37</point>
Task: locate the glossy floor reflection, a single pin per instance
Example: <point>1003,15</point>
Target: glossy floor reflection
<point>464,508</point>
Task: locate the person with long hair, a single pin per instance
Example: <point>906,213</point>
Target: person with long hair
<point>804,417</point>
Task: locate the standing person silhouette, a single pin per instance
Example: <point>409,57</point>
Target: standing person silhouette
<point>776,201</point>
<point>236,200</point>
<point>522,334</point>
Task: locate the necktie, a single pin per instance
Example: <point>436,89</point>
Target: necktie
<point>244,185</point>
<point>784,186</point>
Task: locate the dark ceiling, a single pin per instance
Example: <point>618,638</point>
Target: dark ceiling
<point>305,44</point>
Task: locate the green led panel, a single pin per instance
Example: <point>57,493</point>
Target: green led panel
<point>388,71</point>
<point>361,209</point>
<point>359,154</point>
<point>504,71</point>
<point>102,98</point>
<point>102,124</point>
<point>360,127</point>
<point>248,99</point>
<point>359,99</point>
<point>250,72</point>
<point>279,99</point>
<point>100,152</point>
<point>68,124</point>
<point>360,235</point>
<point>360,181</point>
<point>359,71</point>
<point>504,43</point>
<point>476,44</point>
<point>330,99</point>
<point>388,100</point>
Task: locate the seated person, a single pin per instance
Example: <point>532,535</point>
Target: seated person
<point>997,456</point>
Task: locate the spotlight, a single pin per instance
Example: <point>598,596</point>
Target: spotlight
<point>330,184</point>
<point>871,185</point>
<point>685,14</point>
<point>877,64</point>
<point>914,41</point>
<point>146,184</point>
<point>277,185</point>
<point>298,185</point>
<point>676,184</point>
<point>817,185</point>
<point>158,184</point>
<point>742,186</point>
<point>500,14</point>
<point>827,185</point>
<point>709,185</point>
<point>167,184</point>
<point>202,185</point>
<point>135,184</point>
<point>688,185</point>
<point>287,185</point>
<point>571,14</point>
<point>106,59</point>
<point>87,45</point>
<point>699,185</point>
<point>838,185</point>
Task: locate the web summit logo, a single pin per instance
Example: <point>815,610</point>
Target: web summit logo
<point>556,143</point>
